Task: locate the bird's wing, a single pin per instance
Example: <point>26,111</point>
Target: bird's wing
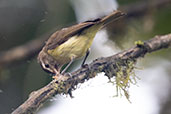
<point>64,34</point>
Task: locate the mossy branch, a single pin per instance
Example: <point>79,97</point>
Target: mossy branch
<point>110,65</point>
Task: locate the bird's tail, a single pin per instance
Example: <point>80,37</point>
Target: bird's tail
<point>111,17</point>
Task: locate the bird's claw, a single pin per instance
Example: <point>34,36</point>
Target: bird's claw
<point>84,65</point>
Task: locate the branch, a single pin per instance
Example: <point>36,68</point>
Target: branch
<point>31,48</point>
<point>21,52</point>
<point>65,84</point>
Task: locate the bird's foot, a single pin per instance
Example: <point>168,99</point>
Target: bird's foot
<point>84,65</point>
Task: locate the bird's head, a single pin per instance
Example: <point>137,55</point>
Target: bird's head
<point>48,63</point>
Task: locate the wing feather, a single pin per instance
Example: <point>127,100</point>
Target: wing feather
<point>64,34</point>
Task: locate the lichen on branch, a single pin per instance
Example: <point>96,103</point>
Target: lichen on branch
<point>121,74</point>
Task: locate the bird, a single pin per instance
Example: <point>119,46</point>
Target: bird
<point>70,43</point>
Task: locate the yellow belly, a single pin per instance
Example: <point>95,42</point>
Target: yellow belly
<point>75,47</point>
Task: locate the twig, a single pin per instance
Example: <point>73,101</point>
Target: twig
<point>31,48</point>
<point>21,52</point>
<point>66,83</point>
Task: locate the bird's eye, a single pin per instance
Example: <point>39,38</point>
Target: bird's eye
<point>46,65</point>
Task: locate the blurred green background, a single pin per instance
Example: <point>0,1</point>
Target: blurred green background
<point>24,20</point>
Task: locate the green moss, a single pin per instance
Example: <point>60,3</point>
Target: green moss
<point>139,43</point>
<point>124,76</point>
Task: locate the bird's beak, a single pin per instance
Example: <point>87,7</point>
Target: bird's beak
<point>56,72</point>
<point>57,75</point>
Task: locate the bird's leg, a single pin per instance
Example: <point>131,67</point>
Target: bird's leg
<point>63,71</point>
<point>87,53</point>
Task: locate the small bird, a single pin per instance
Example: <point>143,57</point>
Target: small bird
<point>68,44</point>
